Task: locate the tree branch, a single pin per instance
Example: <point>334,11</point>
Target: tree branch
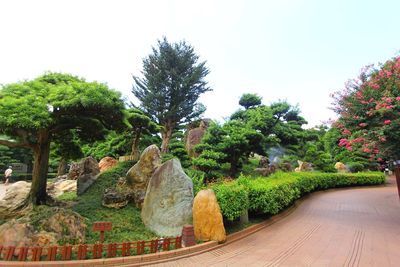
<point>15,144</point>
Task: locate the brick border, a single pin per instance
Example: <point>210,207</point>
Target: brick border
<point>166,256</point>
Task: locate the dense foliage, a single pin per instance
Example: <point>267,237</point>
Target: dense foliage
<point>254,130</point>
<point>369,109</point>
<point>34,112</point>
<point>273,194</point>
<point>172,82</point>
<point>249,100</point>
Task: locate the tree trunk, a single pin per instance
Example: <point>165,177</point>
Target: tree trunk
<point>135,146</point>
<point>166,135</point>
<point>62,166</point>
<point>41,154</point>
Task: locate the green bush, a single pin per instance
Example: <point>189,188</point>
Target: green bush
<point>270,195</point>
<point>232,199</point>
<point>355,166</point>
<point>197,179</point>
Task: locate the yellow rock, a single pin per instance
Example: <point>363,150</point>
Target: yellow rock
<point>207,217</point>
<point>340,167</point>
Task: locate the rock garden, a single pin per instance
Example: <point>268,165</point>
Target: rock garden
<point>155,169</point>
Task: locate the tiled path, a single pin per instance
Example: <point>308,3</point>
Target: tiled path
<point>350,227</point>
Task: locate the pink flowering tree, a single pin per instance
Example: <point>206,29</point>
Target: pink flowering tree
<point>369,112</point>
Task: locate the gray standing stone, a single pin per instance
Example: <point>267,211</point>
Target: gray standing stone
<point>169,199</point>
<point>86,172</point>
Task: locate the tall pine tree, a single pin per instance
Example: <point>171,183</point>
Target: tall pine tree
<point>172,82</point>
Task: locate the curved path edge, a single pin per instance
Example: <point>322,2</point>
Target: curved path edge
<point>167,256</point>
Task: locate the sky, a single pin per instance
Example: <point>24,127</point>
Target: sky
<point>294,50</point>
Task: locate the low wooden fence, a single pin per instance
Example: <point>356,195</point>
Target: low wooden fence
<point>88,251</point>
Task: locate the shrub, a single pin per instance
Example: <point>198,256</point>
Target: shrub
<point>232,199</point>
<point>355,166</point>
<point>272,194</point>
<point>197,179</point>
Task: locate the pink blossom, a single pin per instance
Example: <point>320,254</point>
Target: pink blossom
<point>366,150</point>
<point>363,124</point>
<point>374,86</point>
<point>380,159</point>
<point>398,98</point>
<point>387,122</point>
<point>346,132</point>
<point>343,142</point>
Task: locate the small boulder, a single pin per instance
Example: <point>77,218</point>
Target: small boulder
<point>61,186</point>
<point>85,172</point>
<point>13,233</point>
<point>266,171</point>
<point>139,175</point>
<point>66,225</point>
<point>207,218</point>
<point>112,198</point>
<point>303,166</point>
<point>15,199</point>
<point>107,163</point>
<point>264,162</point>
<point>340,167</point>
<point>168,202</point>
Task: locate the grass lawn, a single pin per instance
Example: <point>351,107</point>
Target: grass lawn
<point>126,222</point>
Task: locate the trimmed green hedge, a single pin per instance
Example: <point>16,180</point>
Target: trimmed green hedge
<point>272,194</point>
<point>232,199</point>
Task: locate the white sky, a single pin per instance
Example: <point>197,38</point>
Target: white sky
<point>296,50</point>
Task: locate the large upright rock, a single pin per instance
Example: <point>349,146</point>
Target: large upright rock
<point>194,137</point>
<point>169,197</point>
<point>207,218</point>
<point>107,163</point>
<point>139,175</point>
<point>87,165</point>
<point>15,199</point>
<point>85,172</point>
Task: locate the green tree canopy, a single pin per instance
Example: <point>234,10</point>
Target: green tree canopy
<point>172,82</point>
<point>33,112</point>
<point>250,100</point>
<point>140,124</point>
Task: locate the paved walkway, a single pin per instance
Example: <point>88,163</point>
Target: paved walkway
<point>351,227</point>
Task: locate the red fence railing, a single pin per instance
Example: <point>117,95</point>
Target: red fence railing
<point>88,251</point>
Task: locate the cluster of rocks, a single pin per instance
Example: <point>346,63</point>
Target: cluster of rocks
<point>163,192</point>
<point>266,168</point>
<point>61,225</point>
